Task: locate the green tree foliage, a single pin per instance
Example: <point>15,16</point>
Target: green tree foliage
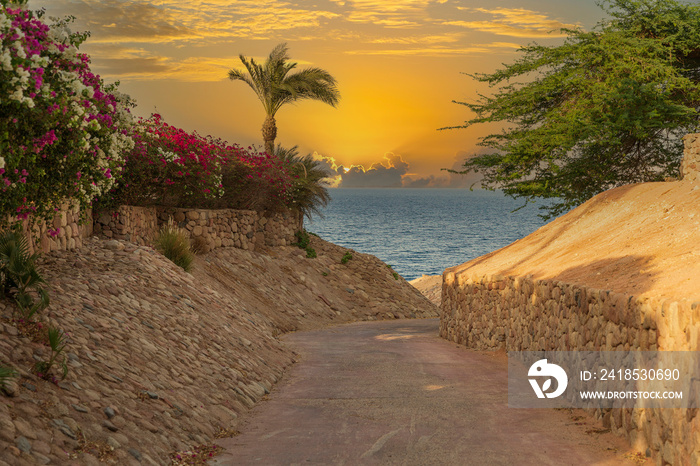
<point>276,85</point>
<point>309,192</point>
<point>607,107</point>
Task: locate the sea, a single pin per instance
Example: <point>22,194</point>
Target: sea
<point>423,231</point>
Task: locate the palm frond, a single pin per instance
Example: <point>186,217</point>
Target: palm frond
<point>276,82</point>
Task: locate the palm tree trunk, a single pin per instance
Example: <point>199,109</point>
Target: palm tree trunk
<point>269,133</point>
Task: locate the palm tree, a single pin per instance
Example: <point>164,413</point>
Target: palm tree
<point>275,86</point>
<point>309,192</point>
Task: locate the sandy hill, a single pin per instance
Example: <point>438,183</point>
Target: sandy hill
<point>641,239</point>
<point>160,360</point>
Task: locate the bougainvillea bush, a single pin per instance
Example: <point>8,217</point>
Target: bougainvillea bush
<point>172,167</point>
<point>63,132</point>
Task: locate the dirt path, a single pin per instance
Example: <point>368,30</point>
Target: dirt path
<point>395,393</point>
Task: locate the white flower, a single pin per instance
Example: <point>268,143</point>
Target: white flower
<point>20,50</point>
<point>168,156</point>
<point>18,95</point>
<point>6,60</point>
<point>2,162</point>
<point>77,87</point>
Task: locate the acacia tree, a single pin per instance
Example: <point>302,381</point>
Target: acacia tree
<point>275,86</point>
<point>606,108</point>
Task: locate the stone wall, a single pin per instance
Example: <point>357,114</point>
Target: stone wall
<point>67,231</point>
<point>136,224</point>
<point>521,314</point>
<point>690,165</point>
<point>208,229</point>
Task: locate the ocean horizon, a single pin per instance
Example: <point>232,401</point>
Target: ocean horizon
<point>423,231</point>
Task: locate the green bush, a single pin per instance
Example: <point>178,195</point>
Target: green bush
<point>346,258</point>
<point>308,193</point>
<point>19,278</point>
<point>304,242</point>
<point>6,373</point>
<point>174,244</point>
<point>57,343</point>
<point>303,239</point>
<point>396,275</point>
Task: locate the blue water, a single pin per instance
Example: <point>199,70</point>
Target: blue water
<point>423,231</point>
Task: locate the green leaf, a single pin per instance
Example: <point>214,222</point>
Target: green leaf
<point>607,107</point>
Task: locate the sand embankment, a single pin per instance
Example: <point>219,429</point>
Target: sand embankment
<point>161,360</point>
<point>639,239</point>
<point>430,286</point>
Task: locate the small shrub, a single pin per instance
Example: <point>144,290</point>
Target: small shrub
<point>57,343</point>
<point>6,373</point>
<point>174,244</point>
<point>198,245</point>
<point>304,242</point>
<point>303,239</point>
<point>346,258</point>
<point>396,276</point>
<point>19,278</point>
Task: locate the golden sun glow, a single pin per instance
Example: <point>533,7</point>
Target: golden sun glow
<point>399,65</point>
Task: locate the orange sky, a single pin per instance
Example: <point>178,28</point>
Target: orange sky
<point>398,63</point>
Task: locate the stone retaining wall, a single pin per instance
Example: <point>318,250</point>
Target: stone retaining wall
<point>136,224</point>
<point>690,165</point>
<point>68,232</point>
<point>521,314</point>
<point>209,229</point>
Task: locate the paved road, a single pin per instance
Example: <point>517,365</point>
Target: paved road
<point>395,393</point>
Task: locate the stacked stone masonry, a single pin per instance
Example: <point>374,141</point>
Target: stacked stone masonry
<point>130,223</point>
<point>690,166</point>
<point>65,233</point>
<point>521,314</point>
<point>208,229</point>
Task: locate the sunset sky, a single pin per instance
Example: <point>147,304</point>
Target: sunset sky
<point>399,64</point>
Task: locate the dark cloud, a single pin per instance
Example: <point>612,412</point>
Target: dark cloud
<point>448,180</point>
<point>393,172</point>
<point>386,174</point>
<point>123,20</point>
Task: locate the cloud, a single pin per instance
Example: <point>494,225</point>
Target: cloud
<point>419,39</point>
<point>514,22</point>
<point>385,174</point>
<point>438,51</point>
<point>168,21</point>
<point>394,172</point>
<point>448,180</point>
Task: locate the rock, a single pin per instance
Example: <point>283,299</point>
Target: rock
<point>25,429</point>
<point>67,431</point>
<point>113,443</point>
<point>114,245</point>
<point>79,408</point>
<point>135,453</point>
<point>23,444</point>
<point>29,386</point>
<point>10,388</point>
<point>41,459</point>
<point>7,428</point>
<point>109,412</point>
<point>152,395</point>
<point>110,426</point>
